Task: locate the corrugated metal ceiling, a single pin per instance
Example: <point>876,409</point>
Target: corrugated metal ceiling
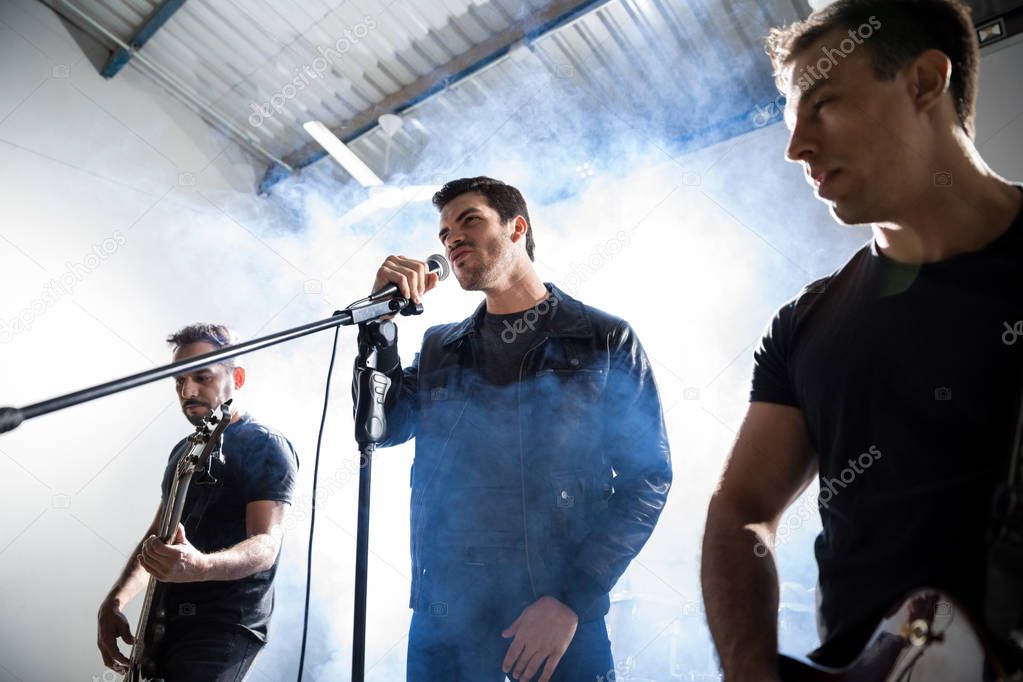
<point>679,68</point>
<point>267,67</point>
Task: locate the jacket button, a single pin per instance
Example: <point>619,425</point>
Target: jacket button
<point>574,362</point>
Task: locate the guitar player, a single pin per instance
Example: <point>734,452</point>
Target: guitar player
<point>890,380</point>
<point>217,575</point>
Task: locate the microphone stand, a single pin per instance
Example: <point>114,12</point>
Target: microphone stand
<point>12,417</point>
<point>370,388</point>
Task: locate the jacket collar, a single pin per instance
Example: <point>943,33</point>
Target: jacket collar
<point>570,320</point>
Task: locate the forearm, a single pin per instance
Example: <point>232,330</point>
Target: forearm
<point>250,556</point>
<point>740,593</point>
<point>132,580</point>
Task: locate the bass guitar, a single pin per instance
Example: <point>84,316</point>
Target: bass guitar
<point>201,448</point>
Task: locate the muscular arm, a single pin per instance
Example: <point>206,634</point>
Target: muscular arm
<point>256,553</point>
<point>180,561</point>
<point>770,465</point>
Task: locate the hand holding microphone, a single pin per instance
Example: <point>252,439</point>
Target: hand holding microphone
<point>408,277</point>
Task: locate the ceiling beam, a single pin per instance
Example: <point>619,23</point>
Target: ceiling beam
<point>120,58</point>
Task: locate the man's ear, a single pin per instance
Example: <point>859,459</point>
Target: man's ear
<point>239,377</point>
<point>519,228</point>
<point>929,78</point>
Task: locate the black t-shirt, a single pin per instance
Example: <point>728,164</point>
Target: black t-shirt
<point>505,340</point>
<point>909,379</point>
<point>258,464</point>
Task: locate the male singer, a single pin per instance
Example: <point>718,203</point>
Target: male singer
<point>220,568</point>
<point>541,462</point>
<point>891,379</point>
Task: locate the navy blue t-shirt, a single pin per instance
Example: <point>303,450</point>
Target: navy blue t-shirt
<point>258,464</point>
<point>909,378</point>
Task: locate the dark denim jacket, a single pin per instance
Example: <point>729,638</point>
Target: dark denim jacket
<point>592,444</point>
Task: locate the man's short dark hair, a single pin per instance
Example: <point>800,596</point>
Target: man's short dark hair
<point>503,198</point>
<point>219,335</point>
<point>906,28</point>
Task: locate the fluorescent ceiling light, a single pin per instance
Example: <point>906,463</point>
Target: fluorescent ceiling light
<point>355,166</point>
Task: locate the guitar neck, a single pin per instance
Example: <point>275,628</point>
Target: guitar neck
<point>170,517</point>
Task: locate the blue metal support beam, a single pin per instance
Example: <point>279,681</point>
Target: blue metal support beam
<point>149,27</point>
<point>556,15</point>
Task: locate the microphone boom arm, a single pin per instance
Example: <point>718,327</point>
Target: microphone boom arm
<point>12,417</point>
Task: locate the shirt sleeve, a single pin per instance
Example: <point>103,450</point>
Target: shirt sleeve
<point>771,379</point>
<point>273,472</point>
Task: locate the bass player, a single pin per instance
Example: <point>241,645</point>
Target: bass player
<point>217,574</point>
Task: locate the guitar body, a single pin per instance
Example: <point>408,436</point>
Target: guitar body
<point>202,448</point>
<point>929,637</point>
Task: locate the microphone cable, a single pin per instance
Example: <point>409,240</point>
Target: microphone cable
<point>438,265</point>
<point>312,515</point>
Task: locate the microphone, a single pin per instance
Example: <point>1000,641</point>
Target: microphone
<point>383,336</point>
<point>436,264</point>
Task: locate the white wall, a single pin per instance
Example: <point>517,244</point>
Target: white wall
<point>1000,108</point>
<point>730,233</point>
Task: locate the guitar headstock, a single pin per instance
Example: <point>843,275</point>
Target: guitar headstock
<point>203,442</point>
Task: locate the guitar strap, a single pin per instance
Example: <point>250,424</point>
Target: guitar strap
<point>1004,605</point>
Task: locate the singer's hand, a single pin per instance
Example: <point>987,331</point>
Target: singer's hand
<point>412,277</point>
